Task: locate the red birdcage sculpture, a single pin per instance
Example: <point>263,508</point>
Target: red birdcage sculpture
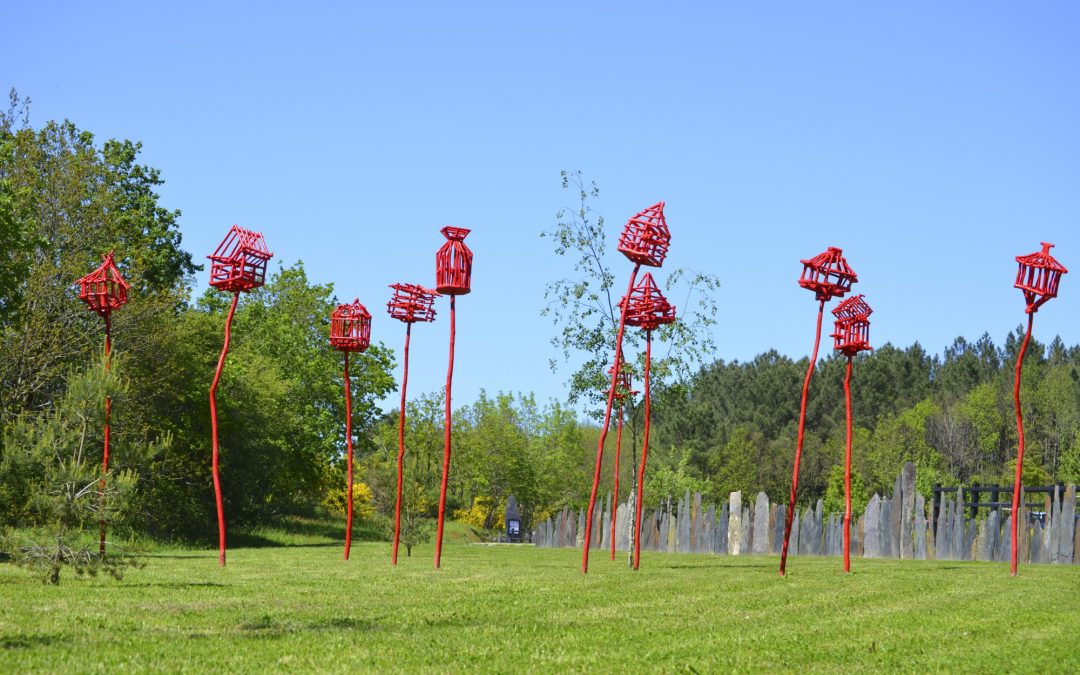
<point>1038,277</point>
<point>624,387</point>
<point>104,289</point>
<point>828,274</point>
<point>852,326</point>
<point>646,238</point>
<point>350,327</point>
<point>453,263</point>
<point>239,263</point>
<point>412,303</point>
<point>646,306</point>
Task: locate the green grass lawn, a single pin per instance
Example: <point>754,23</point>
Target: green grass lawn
<point>503,608</point>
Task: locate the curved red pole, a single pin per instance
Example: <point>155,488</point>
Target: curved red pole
<point>1016,506</point>
<point>847,471</point>
<point>799,442</point>
<point>615,492</point>
<point>401,446</point>
<point>348,444</point>
<point>214,431</point>
<point>446,444</point>
<point>644,453</point>
<point>607,422</point>
<point>105,454</point>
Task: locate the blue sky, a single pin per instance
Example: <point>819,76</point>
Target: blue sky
<point>933,142</point>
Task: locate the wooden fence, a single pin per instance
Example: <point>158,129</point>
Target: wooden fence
<point>898,526</point>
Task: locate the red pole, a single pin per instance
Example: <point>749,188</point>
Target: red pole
<point>604,426</point>
<point>105,455</point>
<point>847,471</point>
<point>615,494</point>
<point>401,445</point>
<point>348,444</point>
<point>799,441</point>
<point>644,453</point>
<point>1016,506</point>
<point>214,432</point>
<point>446,444</point>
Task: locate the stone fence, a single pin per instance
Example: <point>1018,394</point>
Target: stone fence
<point>891,527</point>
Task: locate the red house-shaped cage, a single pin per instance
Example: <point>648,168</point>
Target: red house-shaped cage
<point>646,238</point>
<point>239,263</point>
<point>1038,277</point>
<point>623,381</point>
<point>453,263</point>
<point>104,289</point>
<point>646,306</point>
<point>350,327</point>
<point>412,303</point>
<point>828,275</point>
<point>852,326</point>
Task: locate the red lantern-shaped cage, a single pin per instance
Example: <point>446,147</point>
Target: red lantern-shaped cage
<point>828,274</point>
<point>646,238</point>
<point>104,289</point>
<point>239,263</point>
<point>852,326</point>
<point>624,382</point>
<point>453,263</point>
<point>647,307</point>
<point>350,327</point>
<point>1038,277</point>
<point>412,303</point>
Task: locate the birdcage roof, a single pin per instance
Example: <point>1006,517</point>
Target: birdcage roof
<point>646,306</point>
<point>653,218</point>
<point>1042,259</point>
<point>106,271</point>
<point>412,302</point>
<point>352,310</point>
<point>854,307</point>
<point>832,261</point>
<point>455,233</point>
<point>242,242</point>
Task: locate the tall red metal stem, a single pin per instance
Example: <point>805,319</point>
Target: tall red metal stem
<point>401,446</point>
<point>799,441</point>
<point>105,454</point>
<point>847,471</point>
<point>644,453</point>
<point>607,422</point>
<point>615,493</point>
<point>446,443</point>
<point>349,470</point>
<point>1020,448</point>
<point>214,430</point>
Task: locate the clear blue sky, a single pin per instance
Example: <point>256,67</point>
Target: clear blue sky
<point>932,141</point>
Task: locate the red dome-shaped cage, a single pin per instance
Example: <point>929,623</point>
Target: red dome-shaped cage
<point>412,303</point>
<point>852,328</point>
<point>646,238</point>
<point>828,274</point>
<point>1038,277</point>
<point>239,263</point>
<point>646,307</point>
<point>453,263</point>
<point>104,289</point>
<point>350,327</point>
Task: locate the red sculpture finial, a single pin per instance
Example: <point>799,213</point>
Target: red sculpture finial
<point>647,307</point>
<point>350,327</point>
<point>453,263</point>
<point>239,263</point>
<point>1038,277</point>
<point>646,237</point>
<point>828,274</point>
<point>104,289</point>
<point>852,326</point>
<point>412,303</point>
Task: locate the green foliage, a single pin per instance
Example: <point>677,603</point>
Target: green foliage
<point>834,493</point>
<point>416,526</point>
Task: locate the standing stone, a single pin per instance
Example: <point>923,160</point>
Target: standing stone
<point>747,530</point>
<point>1053,524</point>
<point>620,532</point>
<point>683,544</point>
<point>778,528</point>
<point>761,525</point>
<point>734,535</point>
<point>970,532</point>
<point>871,531</point>
<point>857,548</point>
<point>1036,542</point>
<point>672,534</point>
<point>907,511</point>
<point>722,531</point>
<point>793,545</point>
<point>887,522</point>
<point>708,534</point>
<point>1048,543</point>
<point>1004,550</point>
<point>895,515</point>
<point>665,528</point>
<point>957,544</point>
<point>1067,526</point>
<point>941,541</point>
<point>696,525</point>
<point>993,536</point>
<point>919,527</point>
<point>579,533</point>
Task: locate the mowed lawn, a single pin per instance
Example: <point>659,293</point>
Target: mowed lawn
<point>518,608</point>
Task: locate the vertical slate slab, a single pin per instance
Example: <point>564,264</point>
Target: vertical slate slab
<point>620,528</point>
<point>579,533</point>
<point>887,522</point>
<point>957,543</point>
<point>722,529</point>
<point>907,511</point>
<point>1036,542</point>
<point>919,527</point>
<point>1053,525</point>
<point>793,543</point>
<point>895,513</point>
<point>1067,526</point>
<point>760,544</point>
<point>682,544</point>
<point>708,532</point>
<point>941,541</point>
<point>970,530</point>
<point>665,528</point>
<point>747,530</point>
<point>819,528</point>
<point>993,536</point>
<point>857,549</point>
<point>774,515</point>
<point>872,528</point>
<point>697,525</point>
<point>778,529</point>
<point>734,536</point>
<point>1006,541</point>
<point>1049,544</point>
<point>672,534</point>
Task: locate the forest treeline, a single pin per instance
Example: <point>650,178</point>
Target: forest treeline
<point>66,198</point>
